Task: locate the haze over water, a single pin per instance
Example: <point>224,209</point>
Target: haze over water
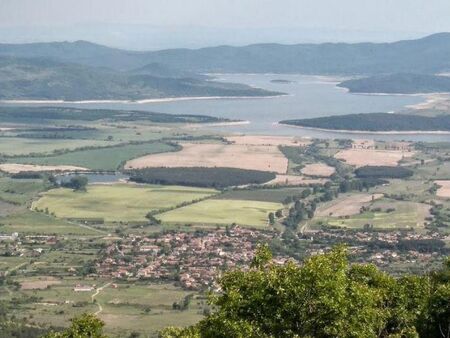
<point>309,96</point>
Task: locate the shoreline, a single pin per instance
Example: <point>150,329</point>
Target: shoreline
<point>387,132</point>
<point>144,101</point>
<point>217,124</point>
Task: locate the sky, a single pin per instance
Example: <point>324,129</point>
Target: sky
<point>150,24</point>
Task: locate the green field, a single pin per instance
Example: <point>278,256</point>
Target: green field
<point>19,191</point>
<point>223,212</point>
<point>406,215</point>
<point>263,195</point>
<point>130,307</point>
<point>118,202</point>
<point>30,222</point>
<point>98,159</point>
<point>24,146</point>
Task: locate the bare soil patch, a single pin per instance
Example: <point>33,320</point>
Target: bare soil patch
<point>318,169</point>
<point>347,205</point>
<point>296,180</point>
<point>268,140</point>
<point>253,157</point>
<point>14,168</point>
<point>363,157</point>
<point>444,188</point>
<point>39,284</point>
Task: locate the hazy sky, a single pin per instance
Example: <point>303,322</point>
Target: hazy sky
<point>194,21</point>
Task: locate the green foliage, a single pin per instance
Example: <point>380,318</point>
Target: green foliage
<point>399,84</point>
<point>16,114</point>
<point>83,326</point>
<point>77,183</point>
<point>369,171</point>
<point>375,122</point>
<point>325,297</point>
<point>200,177</point>
<point>29,79</point>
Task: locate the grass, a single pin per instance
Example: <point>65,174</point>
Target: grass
<point>25,146</point>
<point>7,263</point>
<point>263,195</point>
<point>434,170</point>
<point>30,222</point>
<point>223,212</point>
<point>130,307</point>
<point>118,202</point>
<point>99,159</point>
<point>19,191</point>
<point>406,215</point>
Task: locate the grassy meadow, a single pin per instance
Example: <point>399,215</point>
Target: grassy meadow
<point>406,215</point>
<point>223,212</point>
<point>23,146</point>
<point>117,202</point>
<point>109,158</point>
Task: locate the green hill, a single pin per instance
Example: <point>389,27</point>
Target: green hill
<point>425,55</point>
<point>45,79</point>
<point>399,84</point>
<point>376,122</point>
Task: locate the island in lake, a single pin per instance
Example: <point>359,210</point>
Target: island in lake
<point>281,81</point>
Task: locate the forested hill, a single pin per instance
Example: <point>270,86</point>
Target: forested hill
<point>425,55</point>
<point>376,122</point>
<point>45,79</point>
<point>39,115</point>
<point>405,83</point>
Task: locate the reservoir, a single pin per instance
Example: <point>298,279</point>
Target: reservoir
<point>307,97</point>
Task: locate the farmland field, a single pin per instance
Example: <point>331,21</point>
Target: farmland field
<point>19,191</point>
<point>444,189</point>
<point>31,222</point>
<point>99,159</point>
<point>264,158</point>
<point>363,157</point>
<point>268,140</point>
<point>263,195</point>
<point>406,215</point>
<point>129,307</point>
<point>118,202</point>
<point>318,169</point>
<point>295,180</point>
<point>225,212</point>
<point>23,146</point>
<point>346,205</point>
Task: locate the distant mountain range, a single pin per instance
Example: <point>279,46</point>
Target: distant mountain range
<point>428,55</point>
<point>399,84</point>
<point>46,79</point>
<point>85,71</point>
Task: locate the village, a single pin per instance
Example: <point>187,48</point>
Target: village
<point>194,260</point>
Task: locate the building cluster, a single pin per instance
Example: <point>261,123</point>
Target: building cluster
<point>384,248</point>
<point>194,259</point>
<point>25,246</point>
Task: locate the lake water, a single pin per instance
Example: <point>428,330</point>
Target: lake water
<point>94,177</point>
<point>308,96</point>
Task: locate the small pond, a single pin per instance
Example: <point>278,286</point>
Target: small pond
<point>94,177</point>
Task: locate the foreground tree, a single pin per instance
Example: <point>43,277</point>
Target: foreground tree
<point>325,297</point>
<point>83,326</point>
